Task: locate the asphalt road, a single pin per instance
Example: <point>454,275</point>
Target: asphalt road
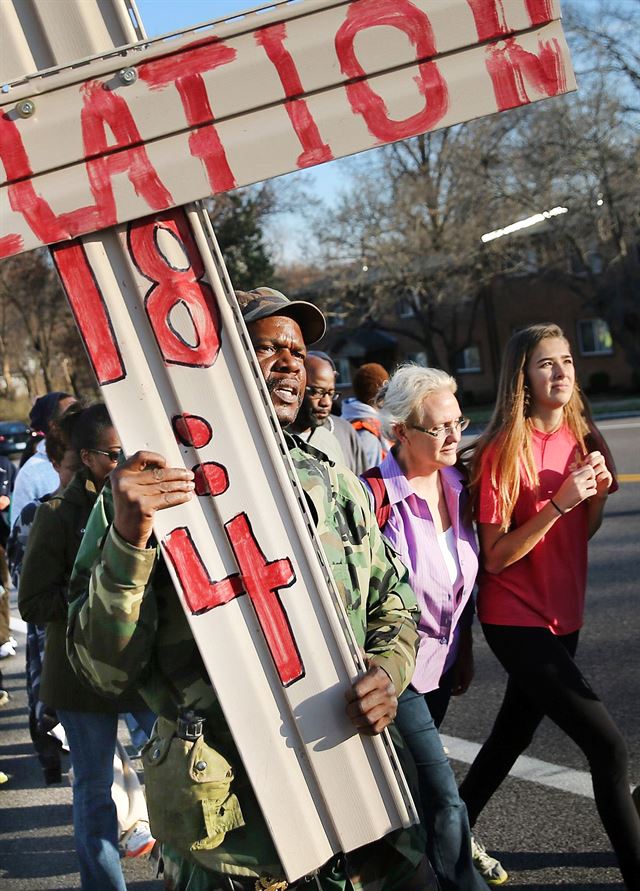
<point>546,836</point>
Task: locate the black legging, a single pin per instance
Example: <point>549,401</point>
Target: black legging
<point>544,680</point>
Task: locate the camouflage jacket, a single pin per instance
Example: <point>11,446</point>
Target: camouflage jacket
<point>127,626</point>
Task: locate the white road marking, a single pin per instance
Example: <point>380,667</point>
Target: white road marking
<point>617,425</point>
<point>577,782</point>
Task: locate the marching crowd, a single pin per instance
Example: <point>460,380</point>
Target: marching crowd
<point>434,539</point>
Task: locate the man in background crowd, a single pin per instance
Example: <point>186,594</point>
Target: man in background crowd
<point>37,476</point>
<point>362,412</point>
<point>316,425</point>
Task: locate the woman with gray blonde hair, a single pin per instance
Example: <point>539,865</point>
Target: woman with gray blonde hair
<point>419,496</point>
<point>425,491</point>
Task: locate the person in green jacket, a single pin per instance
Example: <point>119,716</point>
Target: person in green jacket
<point>89,719</point>
<point>127,625</point>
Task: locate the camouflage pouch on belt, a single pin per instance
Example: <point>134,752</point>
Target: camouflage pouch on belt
<point>188,790</point>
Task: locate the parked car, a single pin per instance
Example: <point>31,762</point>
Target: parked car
<point>14,436</point>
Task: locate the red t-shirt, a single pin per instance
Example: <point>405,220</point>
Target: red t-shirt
<point>546,587</point>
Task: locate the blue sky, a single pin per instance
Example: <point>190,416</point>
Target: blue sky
<point>164,16</point>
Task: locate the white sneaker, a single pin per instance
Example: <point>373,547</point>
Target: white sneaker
<point>137,842</point>
<point>58,733</point>
<point>13,642</point>
<point>7,649</point>
<point>489,868</point>
<point>4,698</point>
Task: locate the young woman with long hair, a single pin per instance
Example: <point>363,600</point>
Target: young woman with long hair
<point>540,476</point>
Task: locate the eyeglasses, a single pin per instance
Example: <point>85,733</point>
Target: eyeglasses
<point>113,455</point>
<point>319,393</point>
<point>443,430</point>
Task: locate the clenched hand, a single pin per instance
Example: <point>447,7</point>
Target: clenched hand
<point>142,485</point>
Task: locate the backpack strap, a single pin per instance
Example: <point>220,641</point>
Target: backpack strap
<point>373,426</point>
<point>381,503</point>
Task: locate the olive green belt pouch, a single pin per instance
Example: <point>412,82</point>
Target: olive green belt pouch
<point>188,790</point>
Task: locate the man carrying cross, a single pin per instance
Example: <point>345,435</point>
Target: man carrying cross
<point>127,627</point>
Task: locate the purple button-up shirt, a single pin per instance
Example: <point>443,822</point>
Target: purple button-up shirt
<point>411,532</point>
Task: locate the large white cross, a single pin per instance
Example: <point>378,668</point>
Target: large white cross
<point>103,155</point>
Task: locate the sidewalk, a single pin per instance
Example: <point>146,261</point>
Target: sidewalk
<point>36,835</point>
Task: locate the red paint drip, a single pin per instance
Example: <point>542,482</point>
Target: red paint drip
<point>173,286</point>
<point>415,24</point>
<point>315,150</point>
<point>210,478</point>
<point>511,68</point>
<point>185,71</point>
<point>192,430</point>
<point>90,312</point>
<point>199,591</point>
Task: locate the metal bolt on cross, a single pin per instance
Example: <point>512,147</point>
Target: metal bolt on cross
<point>128,75</point>
<point>25,108</point>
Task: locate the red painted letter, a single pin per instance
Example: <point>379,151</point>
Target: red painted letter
<point>23,198</point>
<point>261,581</point>
<point>199,591</point>
<point>103,108</point>
<point>185,71</point>
<point>192,430</point>
<point>396,14</point>
<point>88,307</point>
<point>259,578</point>
<point>210,478</point>
<point>540,11</point>
<point>173,287</point>
<point>315,150</point>
<point>510,66</point>
<point>491,20</point>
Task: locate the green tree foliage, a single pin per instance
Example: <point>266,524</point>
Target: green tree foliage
<point>238,220</point>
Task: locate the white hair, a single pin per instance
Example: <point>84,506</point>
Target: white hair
<point>406,390</point>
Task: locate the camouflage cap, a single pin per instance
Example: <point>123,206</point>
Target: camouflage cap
<point>264,302</point>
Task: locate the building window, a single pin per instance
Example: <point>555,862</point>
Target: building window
<point>343,367</point>
<point>418,359</point>
<point>468,360</point>
<point>594,338</point>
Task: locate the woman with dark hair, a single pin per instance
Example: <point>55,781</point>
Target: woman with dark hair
<point>89,720</point>
<point>540,477</point>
